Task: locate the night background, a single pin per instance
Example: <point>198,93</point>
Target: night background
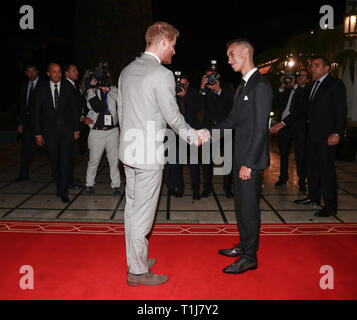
<point>83,32</point>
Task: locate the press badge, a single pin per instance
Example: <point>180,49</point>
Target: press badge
<point>107,120</point>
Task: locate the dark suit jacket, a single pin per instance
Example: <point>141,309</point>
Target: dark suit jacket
<point>250,119</point>
<point>66,115</point>
<point>217,107</point>
<point>327,110</point>
<point>297,118</point>
<point>22,118</point>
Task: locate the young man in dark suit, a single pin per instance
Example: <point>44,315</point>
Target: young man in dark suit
<point>326,117</point>
<point>250,119</point>
<point>28,92</point>
<point>57,126</point>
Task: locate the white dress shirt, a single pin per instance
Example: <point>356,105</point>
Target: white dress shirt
<point>286,111</point>
<point>154,55</point>
<point>52,86</point>
<point>29,87</point>
<point>320,81</point>
<point>248,75</point>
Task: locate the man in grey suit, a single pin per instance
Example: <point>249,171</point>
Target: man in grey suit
<point>146,104</point>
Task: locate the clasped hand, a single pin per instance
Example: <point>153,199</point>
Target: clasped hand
<point>203,136</point>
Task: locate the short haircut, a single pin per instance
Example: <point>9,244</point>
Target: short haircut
<point>30,65</point>
<point>324,59</point>
<point>244,42</point>
<point>160,30</point>
<point>66,67</point>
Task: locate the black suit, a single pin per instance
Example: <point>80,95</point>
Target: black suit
<point>189,107</point>
<point>57,126</point>
<point>217,108</point>
<point>326,115</point>
<point>250,120</point>
<point>26,118</point>
<point>294,131</point>
<point>84,129</point>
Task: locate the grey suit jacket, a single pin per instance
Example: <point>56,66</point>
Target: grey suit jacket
<point>146,105</point>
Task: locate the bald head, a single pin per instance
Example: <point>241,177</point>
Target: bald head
<point>54,72</point>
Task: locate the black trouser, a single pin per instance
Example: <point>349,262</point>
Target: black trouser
<point>322,173</point>
<point>285,138</point>
<point>208,173</point>
<point>28,148</point>
<point>247,205</point>
<point>59,144</point>
<point>174,172</point>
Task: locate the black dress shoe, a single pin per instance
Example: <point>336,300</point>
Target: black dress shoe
<point>280,183</point>
<point>205,193</point>
<point>240,265</point>
<point>179,192</point>
<point>326,212</point>
<point>116,191</point>
<point>229,194</point>
<point>64,198</point>
<point>307,202</point>
<point>196,194</point>
<point>234,252</point>
<point>90,190</point>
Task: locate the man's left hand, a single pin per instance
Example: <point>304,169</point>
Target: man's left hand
<point>245,173</point>
<point>333,139</point>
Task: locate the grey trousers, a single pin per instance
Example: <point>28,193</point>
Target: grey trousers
<point>142,195</point>
<point>98,142</point>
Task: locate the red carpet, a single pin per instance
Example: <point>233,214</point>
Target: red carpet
<point>87,261</point>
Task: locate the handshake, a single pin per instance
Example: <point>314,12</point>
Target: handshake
<point>203,136</point>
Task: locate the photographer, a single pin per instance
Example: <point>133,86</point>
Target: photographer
<point>104,132</point>
<point>216,100</point>
<point>293,100</point>
<point>187,100</point>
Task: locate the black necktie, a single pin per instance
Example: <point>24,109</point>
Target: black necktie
<point>239,90</point>
<point>56,96</point>
<point>314,90</point>
<point>29,100</point>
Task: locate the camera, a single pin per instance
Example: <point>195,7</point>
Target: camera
<point>100,73</point>
<point>179,85</point>
<point>289,77</point>
<point>212,78</point>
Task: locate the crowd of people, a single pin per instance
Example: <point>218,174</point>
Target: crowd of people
<point>58,111</point>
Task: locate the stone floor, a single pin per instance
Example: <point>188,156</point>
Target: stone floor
<point>35,199</point>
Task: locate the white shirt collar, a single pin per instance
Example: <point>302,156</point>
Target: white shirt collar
<point>154,55</point>
<point>323,78</point>
<point>71,81</point>
<point>248,75</point>
<point>52,84</point>
<point>34,82</point>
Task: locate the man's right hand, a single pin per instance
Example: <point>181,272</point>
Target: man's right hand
<point>20,128</point>
<point>39,141</point>
<point>182,93</point>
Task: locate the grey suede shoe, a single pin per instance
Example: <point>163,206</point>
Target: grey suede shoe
<point>146,279</point>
